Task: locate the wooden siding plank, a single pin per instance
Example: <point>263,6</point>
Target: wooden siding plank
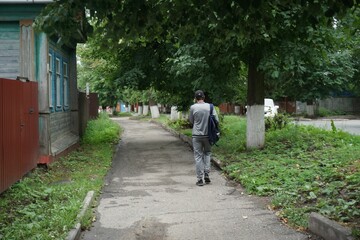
<point>10,49</point>
<point>9,53</point>
<point>6,60</point>
<point>9,35</point>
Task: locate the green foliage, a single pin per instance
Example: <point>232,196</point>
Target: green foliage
<point>101,130</point>
<point>180,60</point>
<point>333,127</point>
<point>304,169</point>
<point>87,220</point>
<point>69,20</point>
<point>179,124</point>
<point>279,121</point>
<point>98,69</point>
<point>233,136</point>
<point>177,47</point>
<point>310,68</point>
<point>45,204</point>
<point>323,112</point>
<point>122,114</point>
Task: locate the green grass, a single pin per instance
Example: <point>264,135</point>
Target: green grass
<point>122,114</point>
<point>302,169</point>
<point>45,204</point>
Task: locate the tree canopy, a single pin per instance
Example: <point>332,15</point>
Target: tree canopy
<point>178,46</point>
<point>185,40</point>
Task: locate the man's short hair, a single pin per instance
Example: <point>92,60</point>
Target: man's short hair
<point>199,95</point>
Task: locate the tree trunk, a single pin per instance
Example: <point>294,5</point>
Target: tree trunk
<point>154,109</point>
<point>255,131</point>
<point>174,114</point>
<point>146,110</point>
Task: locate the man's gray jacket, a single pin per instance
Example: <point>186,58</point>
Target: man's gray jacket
<point>199,117</point>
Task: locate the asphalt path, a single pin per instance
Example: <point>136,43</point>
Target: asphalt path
<point>150,194</point>
<point>351,126</point>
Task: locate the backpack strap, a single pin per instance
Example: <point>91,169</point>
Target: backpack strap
<point>211,108</point>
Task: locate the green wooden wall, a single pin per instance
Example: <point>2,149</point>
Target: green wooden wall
<point>9,49</point>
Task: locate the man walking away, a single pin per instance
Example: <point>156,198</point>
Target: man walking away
<point>199,117</point>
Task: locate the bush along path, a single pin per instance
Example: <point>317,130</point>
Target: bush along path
<point>46,203</point>
<point>302,169</point>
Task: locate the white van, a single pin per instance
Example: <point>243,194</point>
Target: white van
<point>270,109</point>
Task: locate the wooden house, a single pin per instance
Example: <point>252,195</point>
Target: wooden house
<point>34,56</point>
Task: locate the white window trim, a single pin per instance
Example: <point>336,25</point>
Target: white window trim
<point>66,83</point>
<point>58,81</point>
<point>50,72</point>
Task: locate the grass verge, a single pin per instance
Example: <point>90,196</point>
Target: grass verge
<point>302,169</point>
<point>45,204</point>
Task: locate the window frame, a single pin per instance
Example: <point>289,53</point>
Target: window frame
<point>59,83</point>
<point>66,84</point>
<point>50,68</point>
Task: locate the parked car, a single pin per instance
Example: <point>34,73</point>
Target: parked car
<point>270,109</point>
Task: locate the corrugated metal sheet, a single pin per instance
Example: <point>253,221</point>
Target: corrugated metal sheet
<point>94,105</point>
<point>29,130</point>
<point>11,132</point>
<point>18,130</point>
<point>2,172</point>
<point>83,112</point>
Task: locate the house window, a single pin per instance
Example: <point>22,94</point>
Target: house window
<point>58,82</point>
<point>66,84</point>
<point>50,79</point>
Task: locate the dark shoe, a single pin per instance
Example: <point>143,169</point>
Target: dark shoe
<point>200,182</point>
<point>207,178</point>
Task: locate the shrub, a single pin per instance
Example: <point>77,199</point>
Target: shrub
<point>279,121</point>
<point>323,112</point>
<point>101,130</point>
<point>179,124</point>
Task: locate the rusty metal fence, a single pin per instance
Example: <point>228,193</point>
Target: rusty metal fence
<point>88,109</point>
<point>19,135</point>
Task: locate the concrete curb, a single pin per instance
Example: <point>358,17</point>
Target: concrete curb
<point>328,229</point>
<point>318,224</point>
<point>75,233</point>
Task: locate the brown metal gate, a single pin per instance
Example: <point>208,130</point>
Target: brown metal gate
<point>19,135</point>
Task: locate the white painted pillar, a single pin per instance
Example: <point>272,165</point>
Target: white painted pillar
<point>145,110</point>
<point>255,130</point>
<point>174,115</point>
<point>237,110</point>
<point>310,110</point>
<point>154,111</point>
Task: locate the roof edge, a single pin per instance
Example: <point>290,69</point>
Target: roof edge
<point>25,1</point>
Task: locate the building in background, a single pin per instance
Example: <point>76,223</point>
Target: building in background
<point>34,56</point>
